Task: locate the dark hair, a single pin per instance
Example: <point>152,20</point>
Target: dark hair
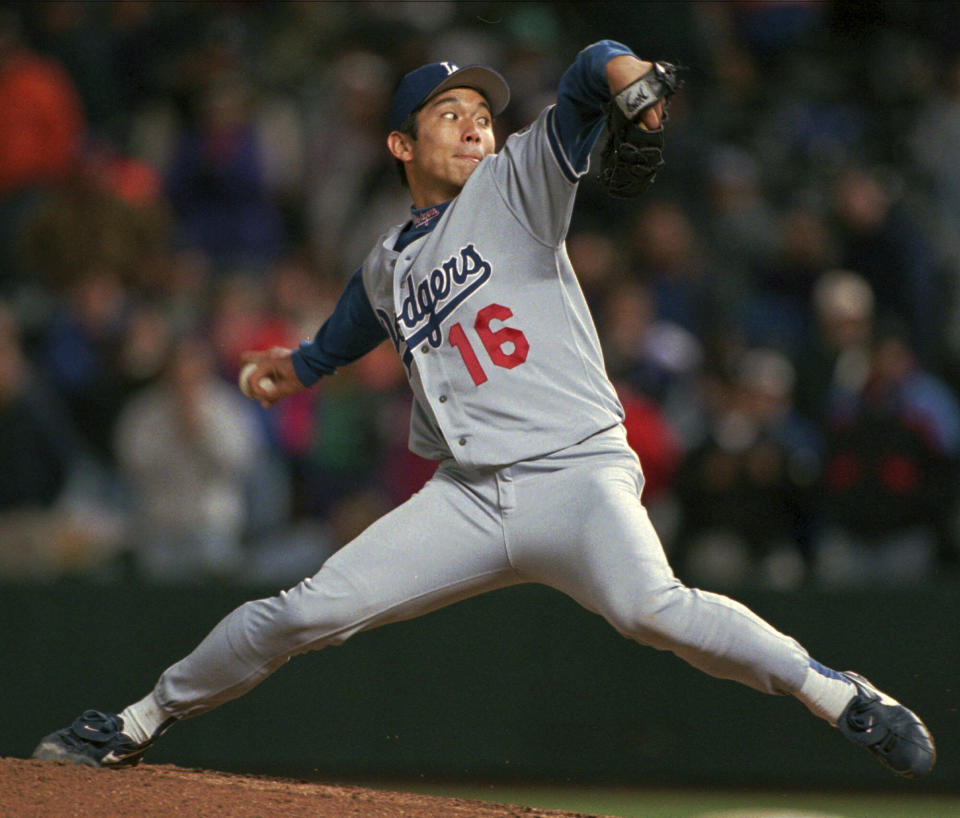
<point>409,128</point>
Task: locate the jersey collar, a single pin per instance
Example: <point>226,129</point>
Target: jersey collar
<point>422,221</point>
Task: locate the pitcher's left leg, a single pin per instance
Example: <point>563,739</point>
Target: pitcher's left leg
<point>582,529</point>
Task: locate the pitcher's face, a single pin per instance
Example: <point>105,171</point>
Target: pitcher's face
<point>454,132</point>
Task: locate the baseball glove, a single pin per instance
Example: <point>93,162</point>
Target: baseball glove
<point>633,155</point>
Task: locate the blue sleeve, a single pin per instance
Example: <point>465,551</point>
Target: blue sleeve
<point>582,99</point>
<point>349,333</point>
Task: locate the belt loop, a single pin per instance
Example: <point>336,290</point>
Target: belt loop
<point>506,493</point>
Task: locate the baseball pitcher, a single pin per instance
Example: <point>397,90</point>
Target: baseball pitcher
<point>535,481</point>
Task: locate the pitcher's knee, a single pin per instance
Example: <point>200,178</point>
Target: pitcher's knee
<point>653,618</point>
<point>298,620</point>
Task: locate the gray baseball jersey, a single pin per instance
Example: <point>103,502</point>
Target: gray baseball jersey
<point>489,319</point>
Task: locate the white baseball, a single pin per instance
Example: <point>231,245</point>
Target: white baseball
<point>265,383</point>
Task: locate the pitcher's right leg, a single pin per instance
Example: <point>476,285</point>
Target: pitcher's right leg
<point>443,545</point>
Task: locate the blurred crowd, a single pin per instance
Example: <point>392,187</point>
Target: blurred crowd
<point>180,182</point>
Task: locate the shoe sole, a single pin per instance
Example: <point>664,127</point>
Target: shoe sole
<point>50,751</point>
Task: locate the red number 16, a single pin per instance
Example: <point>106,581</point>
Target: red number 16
<point>493,342</point>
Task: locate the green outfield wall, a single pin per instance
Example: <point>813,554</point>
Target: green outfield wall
<point>518,684</point>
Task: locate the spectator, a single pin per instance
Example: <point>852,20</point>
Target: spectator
<point>746,491</point>
<point>41,128</point>
<point>241,315</point>
<point>42,121</point>
<point>891,479</point>
<point>216,182</point>
<point>670,260</point>
<point>779,306</point>
<point>188,448</point>
<point>108,215</point>
<point>599,260</point>
<point>652,436</point>
<point>346,153</point>
<point>740,225</point>
<point>42,534</point>
<point>81,350</point>
<point>653,358</point>
<point>935,149</point>
<point>355,418</point>
<point>837,355</point>
<point>884,242</point>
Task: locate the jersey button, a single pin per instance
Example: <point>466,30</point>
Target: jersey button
<point>424,348</point>
<point>443,399</point>
<point>462,441</point>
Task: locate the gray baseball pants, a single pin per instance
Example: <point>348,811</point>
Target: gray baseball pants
<point>572,520</point>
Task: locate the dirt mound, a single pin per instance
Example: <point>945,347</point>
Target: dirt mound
<point>31,789</point>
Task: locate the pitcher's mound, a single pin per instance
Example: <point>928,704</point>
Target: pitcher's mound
<point>43,789</point>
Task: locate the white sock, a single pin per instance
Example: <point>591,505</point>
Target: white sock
<point>825,692</point>
<point>142,720</point>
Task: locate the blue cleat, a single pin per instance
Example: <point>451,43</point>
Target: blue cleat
<point>95,739</point>
<point>895,735</point>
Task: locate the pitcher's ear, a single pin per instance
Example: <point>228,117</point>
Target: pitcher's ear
<point>399,145</point>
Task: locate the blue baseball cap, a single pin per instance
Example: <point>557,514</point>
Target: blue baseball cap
<point>425,82</point>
